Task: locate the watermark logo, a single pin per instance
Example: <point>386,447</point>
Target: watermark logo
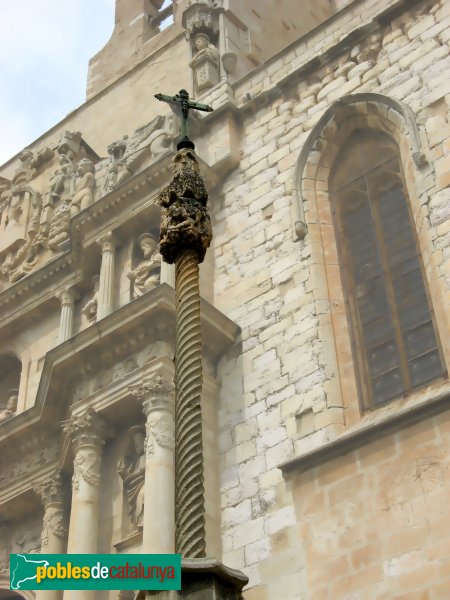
<point>95,571</point>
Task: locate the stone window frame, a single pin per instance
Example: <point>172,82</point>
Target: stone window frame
<point>312,221</point>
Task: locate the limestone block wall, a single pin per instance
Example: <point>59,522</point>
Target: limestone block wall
<point>293,387</point>
<point>374,521</point>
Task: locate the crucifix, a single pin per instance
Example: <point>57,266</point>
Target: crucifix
<point>182,104</point>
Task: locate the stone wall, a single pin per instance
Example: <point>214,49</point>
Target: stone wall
<point>298,389</point>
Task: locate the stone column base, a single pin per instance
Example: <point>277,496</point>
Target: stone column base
<point>203,579</point>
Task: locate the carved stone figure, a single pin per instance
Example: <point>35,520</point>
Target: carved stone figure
<point>129,154</point>
<point>132,471</point>
<point>147,273</point>
<point>205,63</point>
<point>61,180</point>
<point>59,226</point>
<point>185,223</point>
<point>10,409</point>
<point>90,308</point>
<point>84,186</point>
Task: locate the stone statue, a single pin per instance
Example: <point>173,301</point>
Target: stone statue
<point>84,186</point>
<point>205,63</point>
<point>59,226</point>
<point>146,275</point>
<point>90,308</point>
<point>61,177</point>
<point>10,409</point>
<point>132,471</point>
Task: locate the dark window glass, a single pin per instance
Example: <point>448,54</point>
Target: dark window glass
<point>394,338</point>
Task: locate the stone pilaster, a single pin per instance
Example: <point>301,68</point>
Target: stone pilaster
<point>54,527</point>
<point>67,297</point>
<point>106,286</point>
<point>157,397</point>
<point>87,432</point>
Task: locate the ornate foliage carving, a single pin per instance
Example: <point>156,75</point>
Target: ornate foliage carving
<point>54,522</point>
<point>40,451</point>
<point>87,429</point>
<point>185,223</point>
<point>160,430</point>
<point>87,467</point>
<point>51,489</point>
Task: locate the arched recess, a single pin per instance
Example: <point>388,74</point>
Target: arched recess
<point>7,594</point>
<point>313,221</point>
<point>10,373</point>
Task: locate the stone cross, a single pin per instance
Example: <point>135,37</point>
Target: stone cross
<point>182,104</point>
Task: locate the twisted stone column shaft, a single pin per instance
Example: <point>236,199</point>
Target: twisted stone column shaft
<point>189,498</point>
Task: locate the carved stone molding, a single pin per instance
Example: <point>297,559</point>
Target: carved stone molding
<point>87,429</point>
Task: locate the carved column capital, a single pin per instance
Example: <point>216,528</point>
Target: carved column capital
<point>155,393</point>
<point>67,295</point>
<point>107,242</point>
<point>87,429</point>
<point>50,490</point>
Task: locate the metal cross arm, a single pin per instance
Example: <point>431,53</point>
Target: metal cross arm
<point>182,103</point>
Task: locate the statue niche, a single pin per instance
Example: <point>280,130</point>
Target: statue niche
<point>89,310</point>
<point>205,63</point>
<point>146,275</point>
<point>132,471</point>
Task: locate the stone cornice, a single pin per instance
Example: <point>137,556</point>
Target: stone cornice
<point>156,307</point>
<point>368,432</point>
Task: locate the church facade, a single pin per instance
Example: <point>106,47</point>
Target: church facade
<point>325,300</point>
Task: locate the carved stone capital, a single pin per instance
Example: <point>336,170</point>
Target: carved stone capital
<point>185,223</point>
<point>67,295</point>
<point>87,429</point>
<point>107,242</point>
<point>155,394</point>
<point>51,490</point>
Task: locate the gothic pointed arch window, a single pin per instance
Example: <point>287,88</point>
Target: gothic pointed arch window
<point>394,337</point>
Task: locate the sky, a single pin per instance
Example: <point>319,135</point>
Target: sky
<point>45,47</point>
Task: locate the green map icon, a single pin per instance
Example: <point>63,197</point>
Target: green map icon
<point>22,569</point>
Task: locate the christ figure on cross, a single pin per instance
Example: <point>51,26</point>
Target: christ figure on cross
<point>182,105</point>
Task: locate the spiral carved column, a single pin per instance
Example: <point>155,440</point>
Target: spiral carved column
<point>189,500</point>
<point>185,236</point>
